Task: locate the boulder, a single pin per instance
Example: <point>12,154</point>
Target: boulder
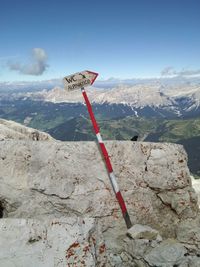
<point>67,182</point>
<point>138,231</point>
<point>168,254</point>
<point>49,179</point>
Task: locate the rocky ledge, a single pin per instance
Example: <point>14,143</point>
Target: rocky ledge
<point>14,130</point>
<point>58,207</point>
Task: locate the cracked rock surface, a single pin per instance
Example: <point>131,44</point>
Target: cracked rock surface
<point>57,202</point>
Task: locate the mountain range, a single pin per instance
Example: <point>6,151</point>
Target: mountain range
<point>158,112</point>
<point>162,101</point>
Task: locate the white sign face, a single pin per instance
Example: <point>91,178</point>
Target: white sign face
<point>79,80</point>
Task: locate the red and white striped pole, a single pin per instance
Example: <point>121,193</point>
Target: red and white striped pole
<point>107,161</point>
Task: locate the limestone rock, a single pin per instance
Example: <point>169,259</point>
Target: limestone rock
<point>14,130</point>
<point>188,231</point>
<point>54,178</point>
<point>196,186</point>
<point>169,253</point>
<point>137,248</point>
<point>194,262</point>
<point>182,201</point>
<point>139,231</point>
<point>165,167</point>
<point>53,243</point>
<point>45,182</point>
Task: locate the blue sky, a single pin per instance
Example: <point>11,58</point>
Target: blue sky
<point>45,39</point>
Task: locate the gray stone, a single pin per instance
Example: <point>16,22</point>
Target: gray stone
<point>53,243</point>
<point>139,231</point>
<point>166,172</point>
<point>182,201</point>
<point>137,248</point>
<point>188,231</point>
<point>194,262</point>
<point>196,186</point>
<point>49,179</point>
<point>169,253</point>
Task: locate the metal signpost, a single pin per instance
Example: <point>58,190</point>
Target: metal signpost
<point>79,81</point>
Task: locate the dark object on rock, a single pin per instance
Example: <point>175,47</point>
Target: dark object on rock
<point>1,211</point>
<point>134,138</point>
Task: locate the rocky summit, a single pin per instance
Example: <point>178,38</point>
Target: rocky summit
<point>58,209</point>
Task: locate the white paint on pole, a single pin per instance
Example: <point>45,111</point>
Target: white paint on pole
<point>79,80</point>
<point>99,138</point>
<point>114,182</point>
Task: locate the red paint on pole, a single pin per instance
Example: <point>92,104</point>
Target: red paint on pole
<point>94,123</point>
<point>96,129</point>
<point>121,202</point>
<point>107,161</point>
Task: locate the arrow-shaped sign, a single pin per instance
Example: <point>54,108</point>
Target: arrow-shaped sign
<point>79,80</point>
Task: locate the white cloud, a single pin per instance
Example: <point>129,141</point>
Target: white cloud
<point>170,71</point>
<point>36,66</point>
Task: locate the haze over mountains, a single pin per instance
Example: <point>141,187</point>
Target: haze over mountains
<point>108,83</point>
